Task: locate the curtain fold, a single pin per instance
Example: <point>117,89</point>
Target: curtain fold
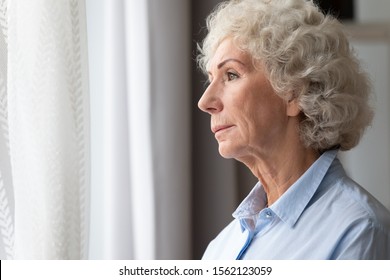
<point>6,186</point>
<point>143,178</point>
<point>141,75</point>
<point>45,125</point>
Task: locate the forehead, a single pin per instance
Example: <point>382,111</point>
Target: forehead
<point>227,49</point>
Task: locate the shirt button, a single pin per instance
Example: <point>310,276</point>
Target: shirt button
<point>268,214</point>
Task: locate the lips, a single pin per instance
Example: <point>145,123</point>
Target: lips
<point>218,128</point>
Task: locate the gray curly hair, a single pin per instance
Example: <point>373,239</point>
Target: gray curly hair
<point>306,54</point>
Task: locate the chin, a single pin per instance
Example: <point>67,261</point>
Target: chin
<point>226,152</point>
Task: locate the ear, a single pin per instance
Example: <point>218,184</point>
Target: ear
<point>293,109</point>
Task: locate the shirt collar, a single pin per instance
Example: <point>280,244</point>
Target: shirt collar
<point>290,206</point>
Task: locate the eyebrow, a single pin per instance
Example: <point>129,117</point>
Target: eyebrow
<point>227,60</point>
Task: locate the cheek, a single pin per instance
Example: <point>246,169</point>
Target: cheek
<point>263,117</point>
<point>256,111</point>
<point>249,119</point>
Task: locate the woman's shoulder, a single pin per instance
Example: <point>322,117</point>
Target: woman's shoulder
<point>354,203</point>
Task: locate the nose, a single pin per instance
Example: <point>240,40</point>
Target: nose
<point>210,102</point>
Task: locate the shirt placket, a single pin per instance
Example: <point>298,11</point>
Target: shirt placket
<point>265,217</point>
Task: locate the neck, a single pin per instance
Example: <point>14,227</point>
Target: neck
<point>280,167</point>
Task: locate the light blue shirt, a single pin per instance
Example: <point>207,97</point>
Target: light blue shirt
<point>323,215</point>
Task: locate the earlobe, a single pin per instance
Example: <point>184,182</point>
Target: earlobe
<point>293,109</point>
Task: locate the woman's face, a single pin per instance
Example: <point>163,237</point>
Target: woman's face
<point>247,118</point>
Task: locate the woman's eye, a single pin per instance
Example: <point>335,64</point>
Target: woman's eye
<point>231,76</point>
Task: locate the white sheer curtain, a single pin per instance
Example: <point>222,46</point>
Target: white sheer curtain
<point>138,71</point>
<point>6,185</point>
<point>44,139</point>
<point>139,53</point>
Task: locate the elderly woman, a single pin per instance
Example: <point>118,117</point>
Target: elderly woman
<point>285,94</point>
